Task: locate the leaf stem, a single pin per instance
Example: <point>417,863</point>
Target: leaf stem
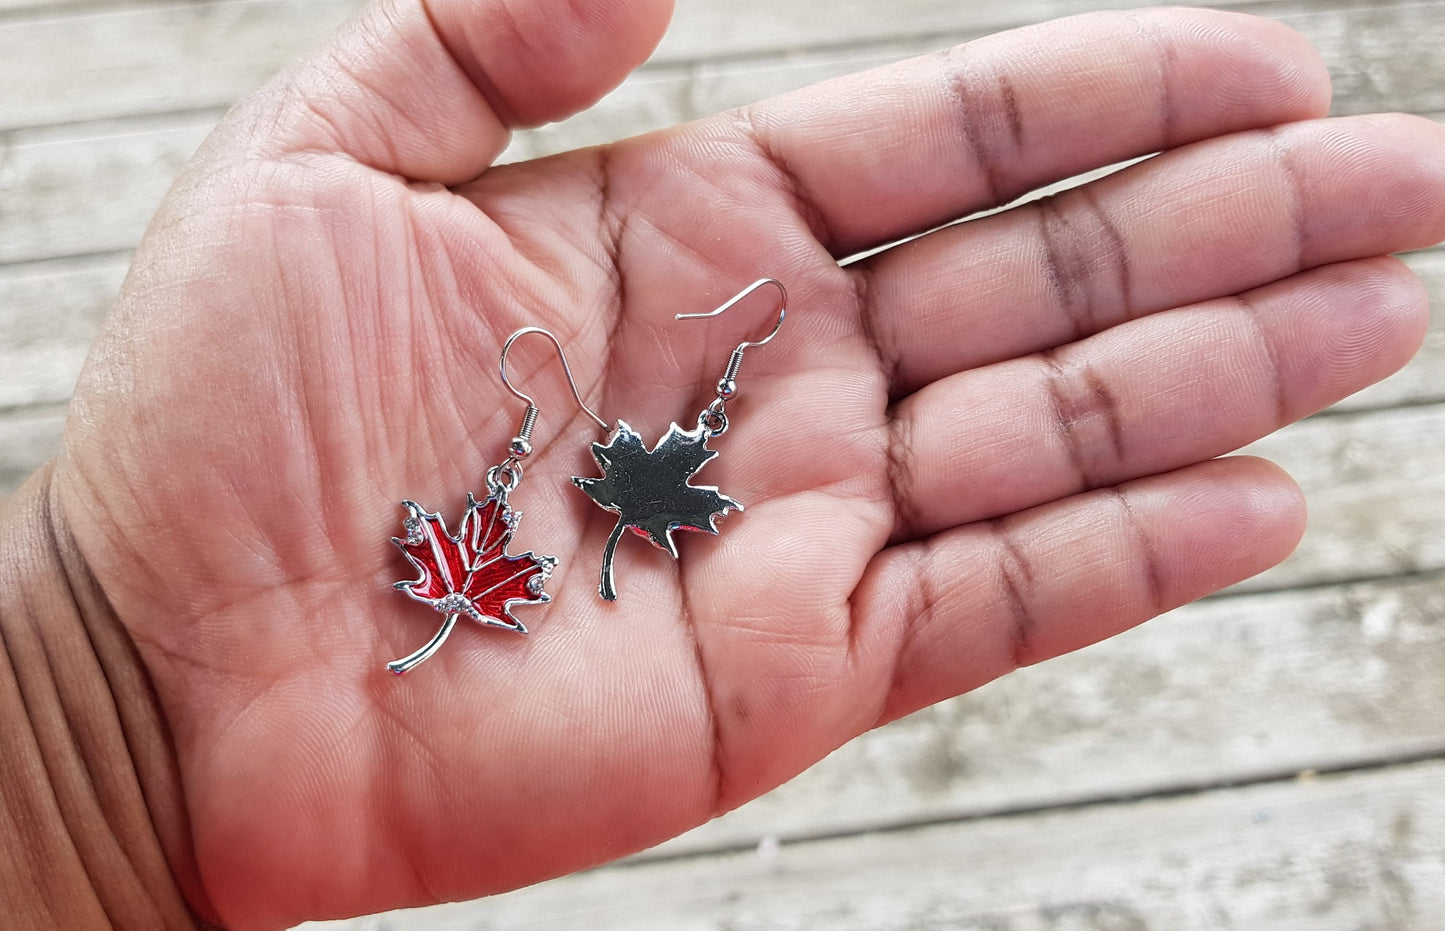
<point>606,588</point>
<point>407,663</point>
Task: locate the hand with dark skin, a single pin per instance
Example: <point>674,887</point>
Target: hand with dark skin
<point>972,452</point>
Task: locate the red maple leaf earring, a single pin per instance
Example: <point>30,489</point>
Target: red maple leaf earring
<point>471,573</point>
<point>648,489</point>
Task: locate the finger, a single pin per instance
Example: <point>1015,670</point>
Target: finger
<point>1152,395</point>
<point>878,155</point>
<point>431,90</point>
<point>1213,219</point>
<point>976,602</point>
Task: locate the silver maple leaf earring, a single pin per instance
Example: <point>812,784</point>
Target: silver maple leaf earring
<point>648,490</point>
<point>472,573</point>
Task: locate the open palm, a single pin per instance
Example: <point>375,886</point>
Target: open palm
<point>975,451</point>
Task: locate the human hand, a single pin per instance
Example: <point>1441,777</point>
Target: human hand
<point>978,450</point>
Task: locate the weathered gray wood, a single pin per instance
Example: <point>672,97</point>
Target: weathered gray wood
<point>1386,57</point>
<point>704,29</point>
<point>41,370</point>
<point>91,188</point>
<point>93,63</point>
<point>1340,853</point>
<point>62,299</point>
<point>1380,58</point>
<point>1376,488</point>
<point>27,439</point>
<point>1224,690</point>
<point>52,311</point>
<point>85,64</point>
<point>70,64</point>
<point>35,9</point>
<point>123,61</point>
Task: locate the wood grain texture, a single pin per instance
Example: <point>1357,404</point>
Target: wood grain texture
<point>91,188</point>
<point>1227,690</point>
<point>1376,491</point>
<point>83,190</point>
<point>27,438</point>
<point>98,63</point>
<point>72,62</point>
<point>52,312</point>
<point>1344,853</point>
<point>1381,57</point>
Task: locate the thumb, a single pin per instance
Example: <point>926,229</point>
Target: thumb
<point>431,89</point>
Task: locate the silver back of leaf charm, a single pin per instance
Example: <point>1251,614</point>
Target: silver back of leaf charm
<point>649,491</point>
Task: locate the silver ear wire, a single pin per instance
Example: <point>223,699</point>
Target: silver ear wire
<point>521,445</point>
<point>714,417</point>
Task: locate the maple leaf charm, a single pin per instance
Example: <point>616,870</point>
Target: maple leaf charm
<point>471,573</point>
<point>649,491</point>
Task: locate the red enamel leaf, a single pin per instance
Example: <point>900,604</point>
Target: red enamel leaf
<point>470,573</point>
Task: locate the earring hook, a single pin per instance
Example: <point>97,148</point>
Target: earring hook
<point>521,446</point>
<point>714,418</point>
<point>782,311</point>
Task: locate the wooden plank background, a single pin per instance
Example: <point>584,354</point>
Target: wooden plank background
<point>1152,782</point>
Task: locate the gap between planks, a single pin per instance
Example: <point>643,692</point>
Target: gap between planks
<point>51,177</point>
<point>1339,853</point>
<point>199,55</point>
<point>1182,789</point>
<point>1213,693</point>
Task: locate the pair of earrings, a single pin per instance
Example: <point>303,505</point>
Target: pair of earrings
<point>471,574</point>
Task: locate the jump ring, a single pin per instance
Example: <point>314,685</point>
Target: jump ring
<point>715,422</point>
<point>505,477</point>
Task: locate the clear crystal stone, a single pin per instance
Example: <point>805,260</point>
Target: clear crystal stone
<point>454,603</point>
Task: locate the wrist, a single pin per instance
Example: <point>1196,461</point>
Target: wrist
<point>91,801</point>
